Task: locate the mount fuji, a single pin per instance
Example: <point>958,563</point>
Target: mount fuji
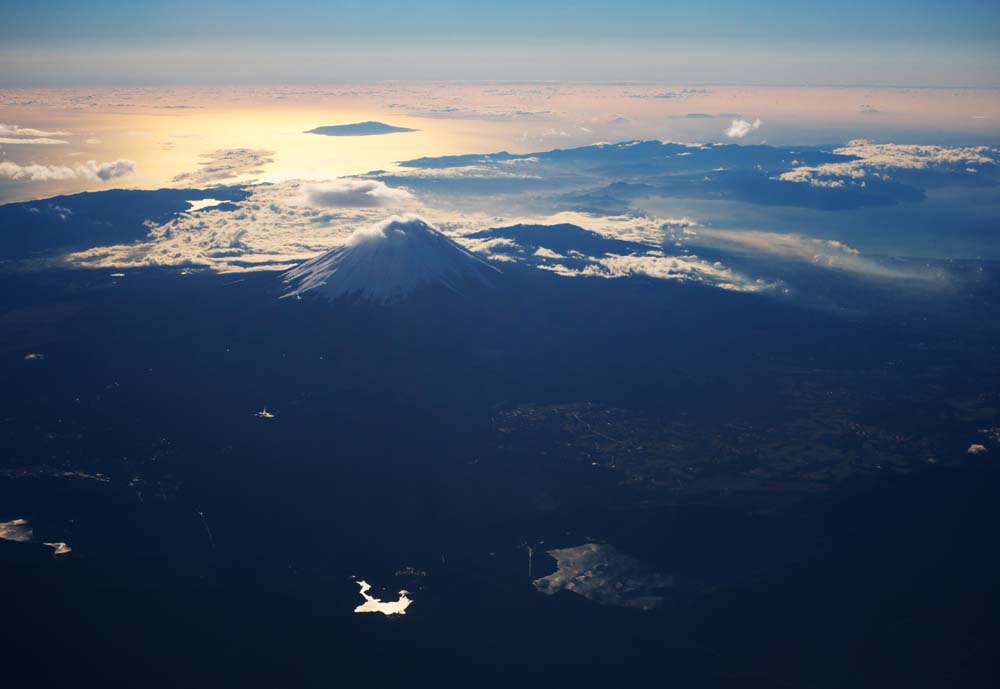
<point>388,261</point>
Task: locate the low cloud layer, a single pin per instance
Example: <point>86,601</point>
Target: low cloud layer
<point>91,170</point>
<point>271,229</point>
<point>13,134</point>
<point>656,264</point>
<point>226,164</point>
<point>39,141</point>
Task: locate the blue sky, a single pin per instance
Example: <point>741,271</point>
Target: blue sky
<point>892,20</point>
<point>768,41</point>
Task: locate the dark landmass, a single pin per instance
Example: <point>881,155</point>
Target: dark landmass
<point>805,462</point>
<point>775,453</point>
<point>33,229</point>
<point>369,128</point>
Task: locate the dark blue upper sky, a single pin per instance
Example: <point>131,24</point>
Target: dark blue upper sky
<point>895,33</point>
<point>892,20</point>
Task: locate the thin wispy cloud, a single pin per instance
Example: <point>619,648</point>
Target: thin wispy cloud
<point>16,130</point>
<point>12,134</point>
<point>823,253</point>
<point>657,265</point>
<point>39,141</point>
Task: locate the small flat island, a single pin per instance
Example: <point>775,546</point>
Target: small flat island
<point>359,129</point>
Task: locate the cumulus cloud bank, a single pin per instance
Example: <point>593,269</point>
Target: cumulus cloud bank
<point>877,161</point>
<point>740,128</point>
<point>354,193</point>
<point>91,170</point>
<point>271,229</point>
<point>226,164</point>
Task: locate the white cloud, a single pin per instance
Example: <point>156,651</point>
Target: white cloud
<point>656,264</point>
<point>489,247</point>
<point>35,172</point>
<point>914,156</point>
<point>740,128</point>
<point>91,170</point>
<point>461,111</point>
<point>226,164</point>
<point>271,229</point>
<point>354,193</point>
<point>542,252</point>
<point>15,130</point>
<point>108,171</point>
<point>40,141</point>
<point>878,160</point>
<point>14,134</point>
<point>640,228</point>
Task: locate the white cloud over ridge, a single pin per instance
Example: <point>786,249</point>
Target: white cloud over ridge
<point>354,193</point>
<point>91,170</point>
<point>916,156</point>
<point>877,161</point>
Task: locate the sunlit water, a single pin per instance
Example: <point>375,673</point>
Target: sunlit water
<point>372,604</point>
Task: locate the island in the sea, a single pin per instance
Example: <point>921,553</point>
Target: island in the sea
<point>359,129</point>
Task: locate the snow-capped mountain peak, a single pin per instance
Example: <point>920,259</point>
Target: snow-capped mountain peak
<point>387,261</point>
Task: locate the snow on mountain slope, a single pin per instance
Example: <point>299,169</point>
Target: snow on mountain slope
<point>386,262</point>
